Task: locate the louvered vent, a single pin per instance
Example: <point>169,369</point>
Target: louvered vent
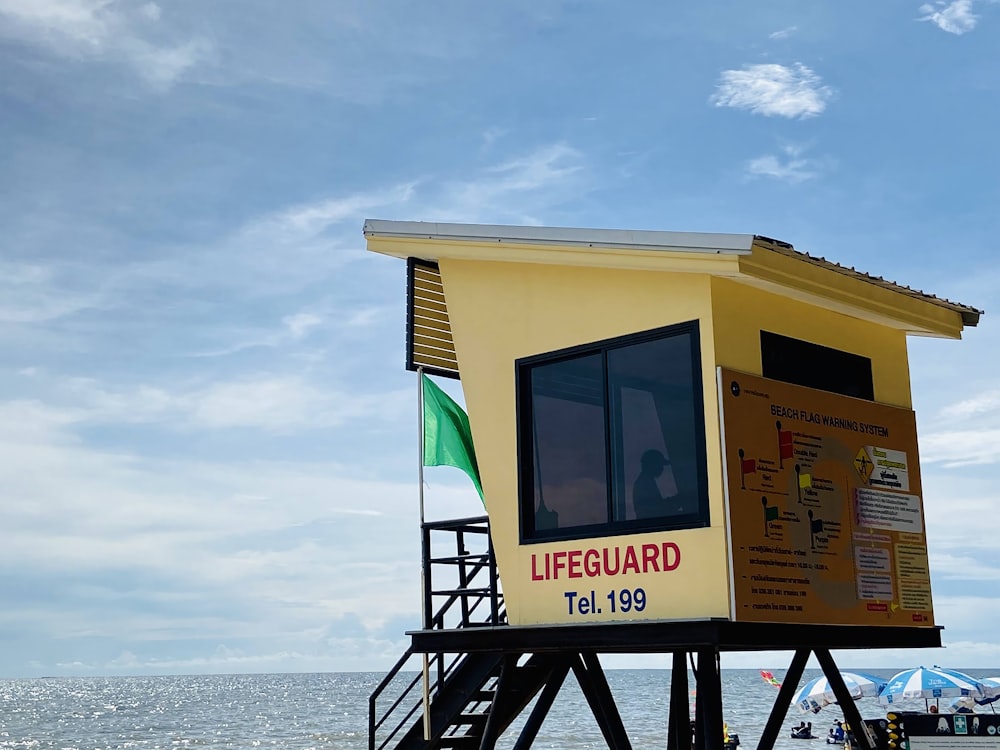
<point>428,332</point>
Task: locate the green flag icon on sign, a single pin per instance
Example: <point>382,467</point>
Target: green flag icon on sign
<point>447,436</point>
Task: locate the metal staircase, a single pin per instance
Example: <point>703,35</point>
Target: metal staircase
<point>466,699</point>
<point>461,589</point>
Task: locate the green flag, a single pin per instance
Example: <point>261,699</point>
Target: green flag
<point>447,436</point>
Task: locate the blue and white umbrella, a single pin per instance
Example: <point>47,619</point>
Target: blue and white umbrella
<point>991,688</point>
<point>928,684</point>
<point>818,693</point>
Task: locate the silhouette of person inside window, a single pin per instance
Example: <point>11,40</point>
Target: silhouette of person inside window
<point>646,497</point>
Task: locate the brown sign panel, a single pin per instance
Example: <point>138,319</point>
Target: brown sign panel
<point>825,510</point>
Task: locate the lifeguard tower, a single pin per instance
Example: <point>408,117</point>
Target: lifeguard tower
<point>688,443</point>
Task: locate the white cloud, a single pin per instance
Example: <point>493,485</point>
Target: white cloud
<point>284,403</point>
<point>982,403</point>
<point>300,324</point>
<point>965,567</point>
<point>491,136</point>
<point>538,169</point>
<point>963,433</point>
<point>36,293</point>
<point>783,33</point>
<point>773,90</point>
<point>273,403</point>
<point>288,248</point>
<point>790,166</point>
<point>514,190</point>
<point>289,546</point>
<point>961,448</point>
<point>104,30</point>
<point>955,17</point>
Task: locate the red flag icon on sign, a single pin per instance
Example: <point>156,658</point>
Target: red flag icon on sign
<point>785,449</point>
<point>747,466</point>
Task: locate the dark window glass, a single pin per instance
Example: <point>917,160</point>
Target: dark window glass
<point>612,437</point>
<point>655,429</point>
<point>571,480</point>
<point>814,366</point>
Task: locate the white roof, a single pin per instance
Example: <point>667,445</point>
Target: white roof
<point>630,239</point>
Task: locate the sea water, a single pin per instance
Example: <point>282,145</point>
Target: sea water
<point>314,711</point>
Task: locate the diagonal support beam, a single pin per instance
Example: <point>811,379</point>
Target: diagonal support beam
<point>491,732</point>
<point>594,685</point>
<point>780,708</point>
<point>847,704</point>
<point>553,682</point>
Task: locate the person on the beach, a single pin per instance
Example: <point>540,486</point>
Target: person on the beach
<point>838,731</point>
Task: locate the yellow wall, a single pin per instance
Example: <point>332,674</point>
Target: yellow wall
<point>503,311</point>
<point>741,312</point>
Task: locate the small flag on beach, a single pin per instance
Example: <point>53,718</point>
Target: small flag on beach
<point>770,679</point>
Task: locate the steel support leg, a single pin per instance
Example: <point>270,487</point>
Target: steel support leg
<point>708,706</point>
<point>679,721</point>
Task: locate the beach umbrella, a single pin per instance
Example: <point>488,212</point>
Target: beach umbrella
<point>818,693</point>
<point>962,703</point>
<point>928,683</point>
<point>991,688</point>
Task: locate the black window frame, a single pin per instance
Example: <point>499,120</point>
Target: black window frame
<point>525,440</point>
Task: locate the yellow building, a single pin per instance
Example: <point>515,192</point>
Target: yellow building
<point>683,428</point>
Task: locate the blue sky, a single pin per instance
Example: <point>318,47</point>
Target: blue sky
<point>207,430</point>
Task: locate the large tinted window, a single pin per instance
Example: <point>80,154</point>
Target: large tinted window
<point>611,437</point>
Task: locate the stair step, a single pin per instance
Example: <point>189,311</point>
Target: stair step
<point>482,696</point>
<point>472,557</point>
<point>460,742</point>
<point>476,719</point>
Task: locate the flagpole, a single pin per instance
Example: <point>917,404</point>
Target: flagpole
<point>424,553</point>
<point>420,447</point>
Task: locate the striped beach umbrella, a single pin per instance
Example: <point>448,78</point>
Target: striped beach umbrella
<point>991,688</point>
<point>818,692</point>
<point>929,683</point>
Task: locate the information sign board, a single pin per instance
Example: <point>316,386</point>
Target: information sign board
<point>825,515</point>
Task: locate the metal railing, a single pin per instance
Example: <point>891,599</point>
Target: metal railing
<point>461,589</point>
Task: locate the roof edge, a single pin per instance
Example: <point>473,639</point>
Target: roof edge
<point>969,315</point>
<point>623,239</point>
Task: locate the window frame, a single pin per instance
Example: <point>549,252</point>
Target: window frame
<point>525,440</point>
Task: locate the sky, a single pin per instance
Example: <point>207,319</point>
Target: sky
<point>208,434</point>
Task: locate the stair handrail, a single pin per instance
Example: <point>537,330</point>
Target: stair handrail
<point>496,616</point>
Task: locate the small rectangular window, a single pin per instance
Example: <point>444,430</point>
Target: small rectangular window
<point>611,437</point>
<point>804,363</point>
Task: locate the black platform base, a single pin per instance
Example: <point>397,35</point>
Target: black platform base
<point>575,648</point>
<point>664,637</point>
